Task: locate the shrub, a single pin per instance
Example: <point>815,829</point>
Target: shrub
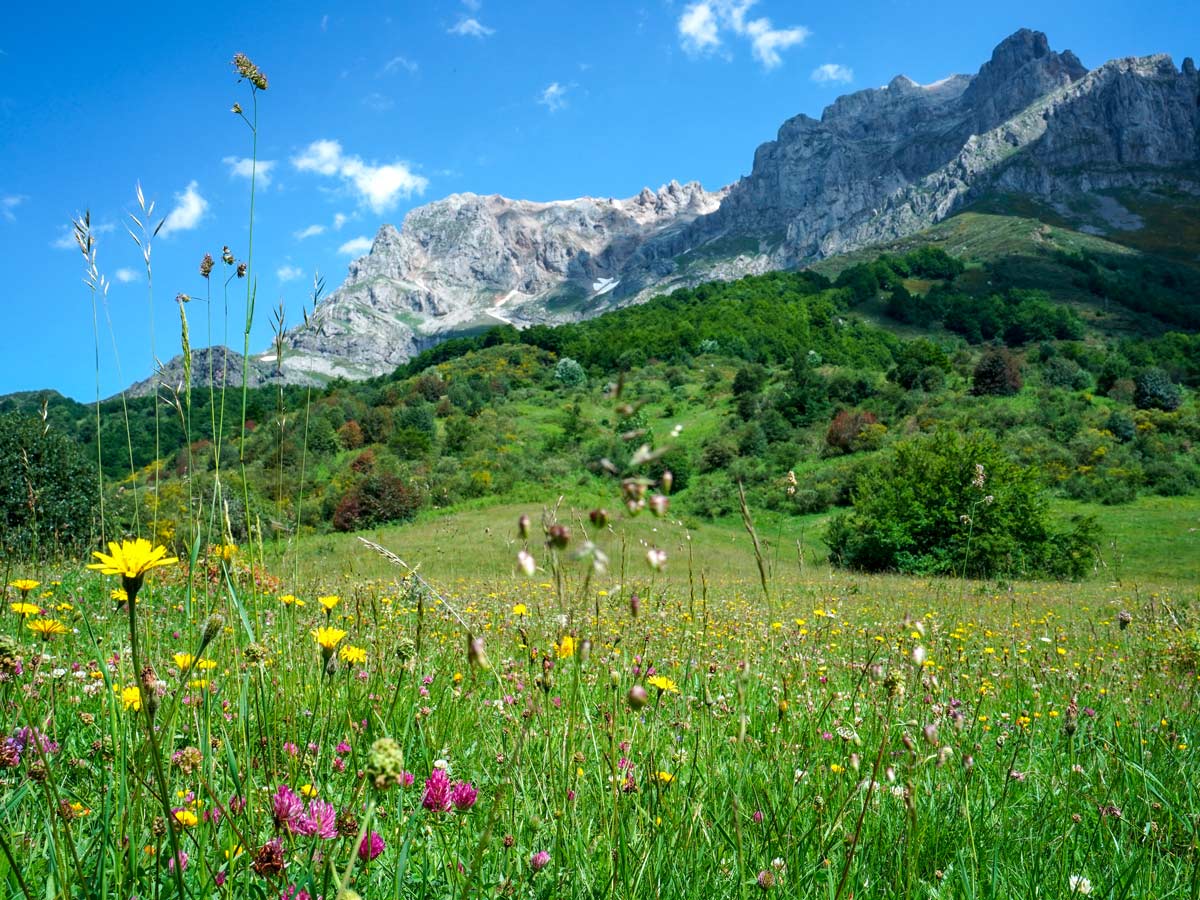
<point>848,431</point>
<point>953,504</point>
<point>569,373</point>
<point>1153,389</point>
<point>376,500</point>
<point>998,374</point>
<point>48,493</point>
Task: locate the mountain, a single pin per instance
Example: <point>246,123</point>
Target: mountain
<point>879,165</point>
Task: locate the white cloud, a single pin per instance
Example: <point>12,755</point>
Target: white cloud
<point>189,210</point>
<point>127,276</point>
<point>244,168</point>
<point>356,247</point>
<point>9,203</point>
<point>471,27</point>
<point>379,187</point>
<point>339,219</point>
<point>833,72</point>
<point>400,62</point>
<point>698,28</point>
<point>289,273</point>
<point>378,102</point>
<point>310,231</point>
<point>554,97</point>
<point>472,5</point>
<point>325,22</point>
<point>701,24</point>
<point>66,239</point>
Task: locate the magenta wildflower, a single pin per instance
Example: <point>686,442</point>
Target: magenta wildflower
<point>371,846</point>
<point>437,791</point>
<point>463,795</point>
<point>321,820</point>
<point>183,861</point>
<point>287,808</point>
<point>342,748</point>
<point>539,860</point>
<point>407,779</point>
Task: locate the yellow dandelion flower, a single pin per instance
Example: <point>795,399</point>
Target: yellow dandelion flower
<point>24,585</point>
<point>25,609</point>
<point>46,628</point>
<point>183,660</point>
<point>328,638</point>
<point>565,648</point>
<point>287,599</point>
<point>355,656</point>
<point>131,559</point>
<point>520,610</point>
<point>118,595</point>
<point>329,602</point>
<point>131,697</point>
<point>663,683</point>
<point>206,665</point>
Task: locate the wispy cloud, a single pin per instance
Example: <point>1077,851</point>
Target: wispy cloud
<point>127,276</point>
<point>189,210</point>
<point>378,102</point>
<point>245,167</point>
<point>310,231</point>
<point>554,97</point>
<point>289,273</point>
<point>356,247</point>
<point>379,187</point>
<point>832,72</point>
<point>396,63</point>
<point>702,24</point>
<point>468,26</point>
<point>339,219</point>
<point>9,203</point>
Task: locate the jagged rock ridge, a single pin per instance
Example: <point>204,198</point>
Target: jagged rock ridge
<point>878,165</point>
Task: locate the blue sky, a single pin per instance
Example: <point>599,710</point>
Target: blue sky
<point>375,108</point>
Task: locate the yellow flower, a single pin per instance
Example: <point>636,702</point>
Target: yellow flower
<point>118,595</point>
<point>47,628</point>
<point>131,559</point>
<point>329,602</point>
<point>520,610</point>
<point>132,697</point>
<point>225,552</point>
<point>565,648</point>
<point>287,599</point>
<point>183,660</point>
<point>79,809</point>
<point>355,656</point>
<point>205,665</point>
<point>24,585</point>
<point>186,817</point>
<point>308,790</point>
<point>665,777</point>
<point>25,609</point>
<point>328,638</point>
<point>663,683</point>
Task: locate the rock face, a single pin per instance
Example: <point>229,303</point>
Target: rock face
<point>879,164</point>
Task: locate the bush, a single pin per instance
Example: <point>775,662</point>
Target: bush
<point>1153,389</point>
<point>569,373</point>
<point>848,432</point>
<point>997,374</point>
<point>48,493</point>
<point>953,504</point>
<point>376,500</point>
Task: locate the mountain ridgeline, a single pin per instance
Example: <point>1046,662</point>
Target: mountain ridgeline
<point>879,165</point>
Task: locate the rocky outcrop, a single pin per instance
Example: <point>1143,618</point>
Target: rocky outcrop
<point>878,165</point>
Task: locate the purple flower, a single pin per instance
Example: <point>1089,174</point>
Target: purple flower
<point>407,779</point>
<point>287,808</point>
<point>321,820</point>
<point>342,748</point>
<point>463,795</point>
<point>183,861</point>
<point>539,860</point>
<point>371,846</point>
<point>437,791</point>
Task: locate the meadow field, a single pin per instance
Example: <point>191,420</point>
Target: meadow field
<point>330,722</point>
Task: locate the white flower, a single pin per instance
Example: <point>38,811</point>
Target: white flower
<point>657,558</point>
<point>1080,885</point>
<point>526,562</point>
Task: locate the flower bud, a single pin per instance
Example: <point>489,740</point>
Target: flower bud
<point>637,697</point>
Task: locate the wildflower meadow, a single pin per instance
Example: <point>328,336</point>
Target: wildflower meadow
<point>582,703</point>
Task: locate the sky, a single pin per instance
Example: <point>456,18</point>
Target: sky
<point>374,108</point>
